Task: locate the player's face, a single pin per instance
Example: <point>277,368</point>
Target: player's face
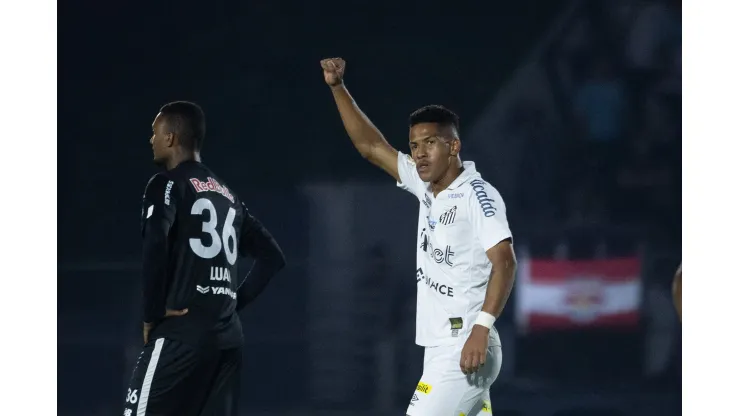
<point>434,148</point>
<point>160,140</point>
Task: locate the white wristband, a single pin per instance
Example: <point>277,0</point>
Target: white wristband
<point>485,319</point>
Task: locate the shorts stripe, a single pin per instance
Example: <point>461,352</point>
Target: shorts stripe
<point>148,377</point>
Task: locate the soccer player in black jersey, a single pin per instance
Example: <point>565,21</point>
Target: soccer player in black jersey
<point>194,228</point>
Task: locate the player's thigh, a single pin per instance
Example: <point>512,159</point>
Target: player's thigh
<point>476,400</point>
<point>167,380</point>
<point>223,394</point>
<point>481,408</point>
<point>445,391</point>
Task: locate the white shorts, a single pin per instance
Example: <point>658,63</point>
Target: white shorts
<point>445,391</point>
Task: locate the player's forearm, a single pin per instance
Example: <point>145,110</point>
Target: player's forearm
<point>154,272</point>
<point>364,135</point>
<point>499,287</point>
<point>258,278</point>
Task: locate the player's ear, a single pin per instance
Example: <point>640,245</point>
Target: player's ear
<point>169,139</point>
<point>455,147</point>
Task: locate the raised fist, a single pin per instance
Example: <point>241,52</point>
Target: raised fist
<point>333,70</point>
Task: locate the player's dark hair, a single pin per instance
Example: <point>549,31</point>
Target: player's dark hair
<point>187,121</point>
<point>435,114</point>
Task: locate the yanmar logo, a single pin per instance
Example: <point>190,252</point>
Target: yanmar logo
<point>211,186</point>
<point>216,290</point>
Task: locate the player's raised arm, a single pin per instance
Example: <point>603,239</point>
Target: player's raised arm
<point>258,243</point>
<point>368,140</point>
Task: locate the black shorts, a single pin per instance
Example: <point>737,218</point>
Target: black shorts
<point>176,379</point>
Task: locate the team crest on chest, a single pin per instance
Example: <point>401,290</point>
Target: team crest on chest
<point>448,217</point>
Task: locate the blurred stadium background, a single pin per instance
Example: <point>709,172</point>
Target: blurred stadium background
<point>572,109</point>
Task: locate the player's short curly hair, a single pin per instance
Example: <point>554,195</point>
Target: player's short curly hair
<point>187,121</point>
<point>435,114</point>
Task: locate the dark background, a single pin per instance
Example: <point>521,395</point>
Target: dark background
<point>570,108</point>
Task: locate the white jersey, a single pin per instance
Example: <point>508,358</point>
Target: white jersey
<point>455,230</point>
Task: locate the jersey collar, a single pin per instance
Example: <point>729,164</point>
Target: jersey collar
<point>469,173</point>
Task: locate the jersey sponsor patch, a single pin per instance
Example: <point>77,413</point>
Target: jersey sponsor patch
<point>432,222</point>
<point>216,290</point>
<point>211,185</point>
<point>486,406</point>
<point>486,203</point>
<point>456,325</point>
<point>167,191</point>
<point>424,387</point>
<point>442,289</point>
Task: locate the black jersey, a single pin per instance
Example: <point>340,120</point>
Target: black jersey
<point>194,228</point>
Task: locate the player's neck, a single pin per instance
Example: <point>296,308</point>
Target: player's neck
<point>452,173</point>
<point>180,157</point>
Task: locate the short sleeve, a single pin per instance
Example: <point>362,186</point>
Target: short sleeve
<point>487,214</point>
<point>158,206</point>
<point>409,177</point>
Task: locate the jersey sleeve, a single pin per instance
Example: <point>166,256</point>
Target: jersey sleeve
<point>409,177</point>
<point>158,211</point>
<point>258,243</point>
<point>255,240</point>
<point>487,215</point>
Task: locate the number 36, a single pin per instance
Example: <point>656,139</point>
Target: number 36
<point>228,236</point>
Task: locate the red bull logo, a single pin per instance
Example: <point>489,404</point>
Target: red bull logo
<point>211,186</point>
<point>584,299</point>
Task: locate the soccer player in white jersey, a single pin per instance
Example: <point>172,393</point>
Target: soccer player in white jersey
<point>465,259</point>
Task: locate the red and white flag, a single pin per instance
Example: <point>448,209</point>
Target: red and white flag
<point>569,294</point>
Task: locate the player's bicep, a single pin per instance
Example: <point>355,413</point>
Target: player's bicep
<point>385,156</point>
<point>502,255</point>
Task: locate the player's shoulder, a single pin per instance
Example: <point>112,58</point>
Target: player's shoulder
<point>406,157</point>
<point>159,180</point>
<point>475,185</point>
<point>480,194</point>
<point>405,161</point>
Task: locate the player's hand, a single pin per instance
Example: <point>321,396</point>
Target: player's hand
<point>333,71</point>
<point>474,352</point>
<point>148,326</point>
